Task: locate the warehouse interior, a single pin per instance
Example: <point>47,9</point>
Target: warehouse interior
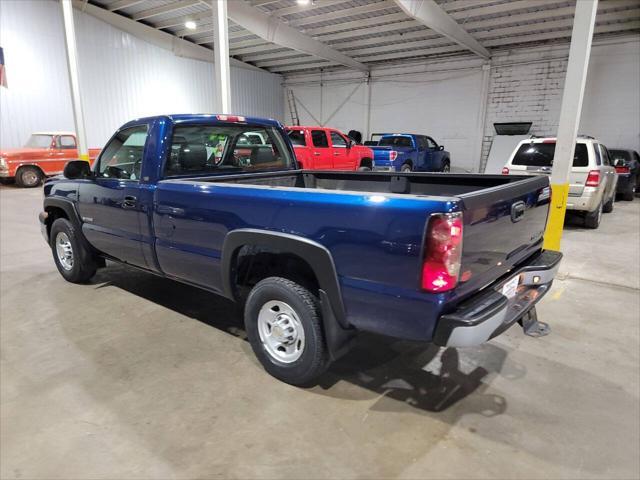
<point>136,376</point>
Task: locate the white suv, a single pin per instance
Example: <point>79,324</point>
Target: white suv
<point>592,181</point>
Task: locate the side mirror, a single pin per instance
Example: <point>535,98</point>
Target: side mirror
<point>350,143</point>
<point>619,162</point>
<point>76,169</point>
<point>441,147</point>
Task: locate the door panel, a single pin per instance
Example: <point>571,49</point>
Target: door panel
<point>321,154</point>
<point>110,204</point>
<point>341,160</point>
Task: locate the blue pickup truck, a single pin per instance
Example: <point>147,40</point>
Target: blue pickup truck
<point>406,152</point>
<point>314,256</point>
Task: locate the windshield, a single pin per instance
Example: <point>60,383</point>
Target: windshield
<point>201,149</point>
<point>541,155</point>
<point>394,141</point>
<point>39,141</point>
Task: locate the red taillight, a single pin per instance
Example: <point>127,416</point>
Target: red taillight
<point>443,252</point>
<point>593,179</point>
<point>393,155</point>
<point>505,171</point>
<point>230,118</point>
<point>623,170</point>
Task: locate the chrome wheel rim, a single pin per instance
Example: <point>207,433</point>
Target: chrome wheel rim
<point>29,178</point>
<point>281,331</point>
<point>64,250</point>
<point>446,169</point>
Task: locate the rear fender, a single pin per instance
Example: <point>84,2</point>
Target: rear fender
<point>337,330</point>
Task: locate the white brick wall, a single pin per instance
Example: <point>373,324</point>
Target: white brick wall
<point>527,92</point>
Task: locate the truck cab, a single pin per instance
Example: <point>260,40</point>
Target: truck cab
<point>321,148</point>
<point>407,152</point>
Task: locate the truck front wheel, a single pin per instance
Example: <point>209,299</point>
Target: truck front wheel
<point>74,262</point>
<point>28,177</point>
<point>283,323</point>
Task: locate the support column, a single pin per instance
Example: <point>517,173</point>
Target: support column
<point>482,113</point>
<point>367,108</point>
<point>571,108</point>
<point>72,64</point>
<point>221,55</point>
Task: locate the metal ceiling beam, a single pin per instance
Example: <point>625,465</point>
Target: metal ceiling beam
<point>275,31</point>
<point>122,4</point>
<point>172,7</point>
<point>165,40</point>
<point>433,16</point>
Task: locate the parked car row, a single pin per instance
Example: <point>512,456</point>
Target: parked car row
<point>597,175</point>
<point>316,148</point>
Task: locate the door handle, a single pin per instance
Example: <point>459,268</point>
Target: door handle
<point>129,201</point>
<point>335,154</point>
<point>317,154</point>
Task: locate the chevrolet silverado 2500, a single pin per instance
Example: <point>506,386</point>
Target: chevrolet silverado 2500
<point>314,256</point>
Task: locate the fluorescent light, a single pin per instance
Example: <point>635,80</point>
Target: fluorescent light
<point>303,2</point>
<point>190,24</point>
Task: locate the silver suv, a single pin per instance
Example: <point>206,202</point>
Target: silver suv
<point>592,181</point>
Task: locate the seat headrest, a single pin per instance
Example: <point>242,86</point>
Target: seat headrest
<point>193,156</point>
<point>261,154</point>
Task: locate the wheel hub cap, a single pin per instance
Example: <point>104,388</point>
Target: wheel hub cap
<point>64,251</point>
<point>281,331</point>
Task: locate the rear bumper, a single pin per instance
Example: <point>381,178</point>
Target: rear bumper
<point>489,313</point>
<point>626,182</point>
<point>588,201</point>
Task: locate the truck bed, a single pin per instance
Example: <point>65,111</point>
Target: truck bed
<point>420,184</point>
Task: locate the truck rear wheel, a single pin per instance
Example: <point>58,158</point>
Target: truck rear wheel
<point>28,177</point>
<point>406,168</point>
<point>283,323</point>
<point>75,263</point>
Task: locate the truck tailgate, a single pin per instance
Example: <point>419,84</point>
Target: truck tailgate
<point>503,226</point>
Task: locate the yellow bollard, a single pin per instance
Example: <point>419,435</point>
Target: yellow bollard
<point>558,208</point>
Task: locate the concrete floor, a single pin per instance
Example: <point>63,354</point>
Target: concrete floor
<point>134,376</point>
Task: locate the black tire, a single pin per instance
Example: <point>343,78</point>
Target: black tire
<point>629,195</point>
<point>446,167</point>
<point>608,207</point>
<point>365,165</point>
<point>29,177</point>
<point>83,264</point>
<point>313,358</point>
<point>592,219</point>
<point>364,169</point>
<point>406,168</point>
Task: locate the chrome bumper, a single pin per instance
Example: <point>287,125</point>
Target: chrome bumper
<point>490,313</point>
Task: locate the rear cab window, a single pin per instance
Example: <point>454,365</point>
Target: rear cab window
<point>233,148</point>
<point>396,141</point>
<point>541,155</point>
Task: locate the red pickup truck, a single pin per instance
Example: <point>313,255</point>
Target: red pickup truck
<point>321,148</point>
<point>44,154</point>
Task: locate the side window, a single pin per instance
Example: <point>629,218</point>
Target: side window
<point>66,142</point>
<point>319,139</point>
<point>636,156</point>
<point>337,140</point>
<point>297,137</point>
<point>605,155</point>
<point>122,157</point>
<point>596,148</point>
<point>422,143</point>
<point>431,143</point>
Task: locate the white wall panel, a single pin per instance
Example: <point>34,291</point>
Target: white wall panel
<point>38,98</point>
<point>611,107</point>
<point>445,105</point>
<point>122,77</point>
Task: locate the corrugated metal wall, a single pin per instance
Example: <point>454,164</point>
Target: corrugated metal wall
<point>122,77</point>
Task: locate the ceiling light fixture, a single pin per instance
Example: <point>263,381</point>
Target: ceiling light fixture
<point>190,24</point>
<point>303,2</point>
